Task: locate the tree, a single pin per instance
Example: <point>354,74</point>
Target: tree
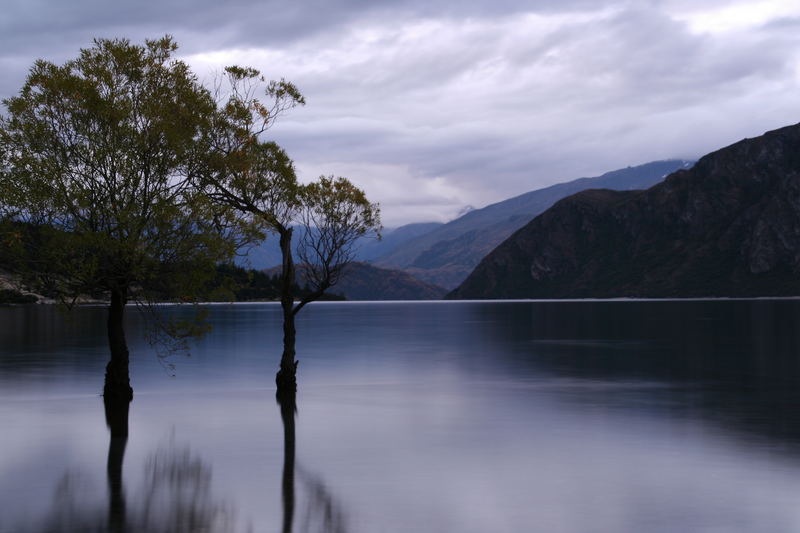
<point>258,180</point>
<point>332,214</point>
<point>100,155</point>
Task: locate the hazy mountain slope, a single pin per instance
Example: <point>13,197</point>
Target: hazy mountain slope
<point>391,238</point>
<point>362,281</point>
<point>268,254</point>
<point>729,226</point>
<point>367,282</point>
<point>447,254</point>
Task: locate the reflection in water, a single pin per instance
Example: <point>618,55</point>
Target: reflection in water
<point>117,422</point>
<point>287,399</point>
<point>733,363</point>
<point>570,417</point>
<point>175,498</point>
<point>322,513</point>
<point>176,495</point>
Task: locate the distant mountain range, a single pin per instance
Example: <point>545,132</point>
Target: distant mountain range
<point>362,281</point>
<point>443,255</point>
<point>268,254</point>
<point>446,254</point>
<point>729,226</point>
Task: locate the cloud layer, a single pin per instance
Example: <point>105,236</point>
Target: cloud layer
<point>433,106</point>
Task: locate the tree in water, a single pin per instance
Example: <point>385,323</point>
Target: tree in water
<point>98,158</point>
<point>332,215</point>
<point>257,179</point>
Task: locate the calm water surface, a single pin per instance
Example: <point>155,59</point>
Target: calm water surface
<point>571,417</point>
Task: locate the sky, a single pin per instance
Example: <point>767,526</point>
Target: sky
<point>435,106</point>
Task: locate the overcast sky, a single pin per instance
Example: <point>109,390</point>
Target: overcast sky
<point>432,106</point>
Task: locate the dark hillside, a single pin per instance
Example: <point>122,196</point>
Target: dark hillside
<point>729,226</point>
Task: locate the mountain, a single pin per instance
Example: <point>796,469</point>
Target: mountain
<point>391,238</point>
<point>268,253</point>
<point>362,281</point>
<point>447,254</point>
<point>729,226</point>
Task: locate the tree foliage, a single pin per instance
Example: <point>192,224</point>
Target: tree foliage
<point>334,214</point>
<point>257,179</point>
<point>136,180</point>
<point>99,158</point>
<point>102,150</point>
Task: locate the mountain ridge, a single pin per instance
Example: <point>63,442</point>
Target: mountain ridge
<point>729,226</point>
<point>267,253</point>
<point>362,281</point>
<point>447,254</point>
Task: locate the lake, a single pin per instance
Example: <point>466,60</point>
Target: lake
<point>560,417</point>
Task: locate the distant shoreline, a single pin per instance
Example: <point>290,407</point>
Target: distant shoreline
<point>493,301</point>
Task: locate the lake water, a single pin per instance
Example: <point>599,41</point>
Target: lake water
<point>559,417</point>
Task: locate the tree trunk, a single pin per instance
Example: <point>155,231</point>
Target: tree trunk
<point>117,384</point>
<point>286,379</point>
<point>287,375</point>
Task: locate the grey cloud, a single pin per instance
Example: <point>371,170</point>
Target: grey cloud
<point>783,24</point>
<point>56,30</point>
<point>32,24</point>
<point>635,63</point>
<point>467,94</point>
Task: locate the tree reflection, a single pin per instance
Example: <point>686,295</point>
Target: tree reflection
<point>117,422</point>
<point>176,496</point>
<point>321,513</point>
<point>287,400</point>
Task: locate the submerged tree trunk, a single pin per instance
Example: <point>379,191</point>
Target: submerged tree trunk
<point>286,379</point>
<point>117,384</point>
